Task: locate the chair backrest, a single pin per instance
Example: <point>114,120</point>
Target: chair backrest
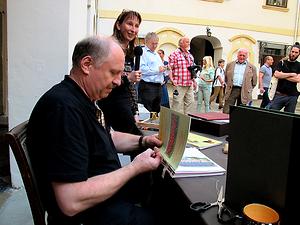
<point>16,139</point>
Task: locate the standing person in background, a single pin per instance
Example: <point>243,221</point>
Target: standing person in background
<point>265,75</point>
<point>204,82</point>
<point>120,107</point>
<point>181,78</point>
<point>288,73</point>
<point>240,78</point>
<point>219,83</point>
<point>165,95</point>
<point>152,69</point>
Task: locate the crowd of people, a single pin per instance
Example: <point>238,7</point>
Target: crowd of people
<point>91,116</point>
<point>232,84</point>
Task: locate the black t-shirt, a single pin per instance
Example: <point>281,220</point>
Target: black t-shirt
<point>284,86</point>
<point>66,143</point>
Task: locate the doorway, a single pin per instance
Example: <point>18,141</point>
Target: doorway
<point>203,45</point>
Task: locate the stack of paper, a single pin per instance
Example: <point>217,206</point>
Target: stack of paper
<point>195,163</point>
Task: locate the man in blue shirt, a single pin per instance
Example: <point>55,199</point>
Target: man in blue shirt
<point>152,68</point>
<point>241,78</point>
<point>265,75</point>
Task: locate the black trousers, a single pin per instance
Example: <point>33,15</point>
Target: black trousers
<point>265,100</point>
<point>150,95</point>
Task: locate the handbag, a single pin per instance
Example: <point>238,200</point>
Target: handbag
<point>272,87</point>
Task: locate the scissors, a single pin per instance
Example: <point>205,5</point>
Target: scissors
<point>224,215</point>
<point>203,206</point>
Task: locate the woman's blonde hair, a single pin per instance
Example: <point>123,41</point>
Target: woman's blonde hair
<point>209,62</point>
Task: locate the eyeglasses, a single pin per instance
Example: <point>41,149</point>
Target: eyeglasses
<point>99,114</point>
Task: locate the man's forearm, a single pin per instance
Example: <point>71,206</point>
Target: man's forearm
<point>281,75</point>
<point>125,142</point>
<point>260,80</point>
<point>75,197</point>
<point>294,78</point>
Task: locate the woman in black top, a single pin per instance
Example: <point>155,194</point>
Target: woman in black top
<point>120,107</point>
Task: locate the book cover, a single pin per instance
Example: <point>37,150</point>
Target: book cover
<point>211,116</point>
<point>201,142</point>
<point>178,160</point>
<point>195,163</point>
<point>173,131</point>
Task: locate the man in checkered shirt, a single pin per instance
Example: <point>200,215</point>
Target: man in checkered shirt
<point>181,78</point>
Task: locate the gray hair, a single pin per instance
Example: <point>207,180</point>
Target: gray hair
<point>181,40</point>
<point>243,50</point>
<point>150,36</point>
<point>95,46</point>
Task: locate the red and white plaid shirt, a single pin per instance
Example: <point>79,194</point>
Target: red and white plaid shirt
<point>179,62</point>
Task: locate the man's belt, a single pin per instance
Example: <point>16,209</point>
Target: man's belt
<point>151,83</point>
<point>281,94</point>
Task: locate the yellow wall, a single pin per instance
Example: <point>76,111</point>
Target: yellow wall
<point>248,15</point>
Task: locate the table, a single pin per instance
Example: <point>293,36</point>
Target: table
<point>176,195</point>
<point>204,188</point>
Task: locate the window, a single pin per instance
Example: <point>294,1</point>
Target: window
<point>277,3</point>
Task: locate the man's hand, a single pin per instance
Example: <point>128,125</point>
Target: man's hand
<point>134,76</point>
<point>161,69</point>
<point>151,141</point>
<point>147,161</point>
<point>262,90</point>
<point>195,85</point>
<point>136,118</point>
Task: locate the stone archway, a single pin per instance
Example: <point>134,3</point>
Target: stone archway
<point>203,45</point>
<point>241,41</point>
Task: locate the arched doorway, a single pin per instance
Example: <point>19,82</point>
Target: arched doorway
<point>203,45</point>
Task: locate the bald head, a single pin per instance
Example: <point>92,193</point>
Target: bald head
<point>184,43</point>
<point>98,63</point>
<point>97,47</point>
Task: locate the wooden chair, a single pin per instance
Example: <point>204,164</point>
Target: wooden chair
<point>16,139</point>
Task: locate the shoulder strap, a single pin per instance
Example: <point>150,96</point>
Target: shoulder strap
<point>215,77</point>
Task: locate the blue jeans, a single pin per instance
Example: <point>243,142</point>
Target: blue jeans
<point>288,102</point>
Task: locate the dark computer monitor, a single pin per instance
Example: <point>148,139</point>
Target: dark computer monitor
<point>262,160</point>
